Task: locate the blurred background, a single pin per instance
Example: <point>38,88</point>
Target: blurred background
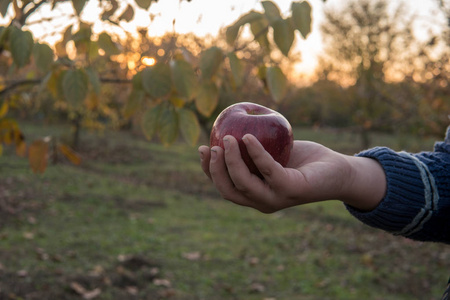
<point>102,106</point>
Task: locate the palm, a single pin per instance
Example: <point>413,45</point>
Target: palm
<point>320,169</point>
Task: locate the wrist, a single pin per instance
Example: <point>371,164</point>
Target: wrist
<point>366,185</point>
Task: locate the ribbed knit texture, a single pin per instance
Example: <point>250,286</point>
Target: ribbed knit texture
<point>417,200</point>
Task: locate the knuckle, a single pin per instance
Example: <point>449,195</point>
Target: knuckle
<point>267,210</point>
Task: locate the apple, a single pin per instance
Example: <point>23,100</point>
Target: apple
<point>271,128</point>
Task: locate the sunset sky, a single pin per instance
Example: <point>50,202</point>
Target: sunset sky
<point>201,17</point>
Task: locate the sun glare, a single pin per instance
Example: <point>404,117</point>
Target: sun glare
<point>148,61</point>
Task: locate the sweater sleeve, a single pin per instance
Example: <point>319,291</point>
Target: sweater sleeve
<point>417,200</point>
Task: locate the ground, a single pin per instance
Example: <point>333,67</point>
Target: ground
<point>137,220</point>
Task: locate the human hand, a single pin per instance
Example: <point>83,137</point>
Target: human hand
<point>313,173</point>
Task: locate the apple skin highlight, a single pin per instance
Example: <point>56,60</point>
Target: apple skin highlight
<point>271,129</point>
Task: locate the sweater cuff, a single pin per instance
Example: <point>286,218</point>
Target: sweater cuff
<point>405,208</point>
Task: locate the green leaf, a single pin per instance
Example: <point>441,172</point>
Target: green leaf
<point>133,104</point>
<point>54,84</point>
<point>82,38</point>
<point>283,35</point>
<point>78,5</point>
<point>189,126</point>
<point>184,78</point>
<point>260,28</point>
<point>93,50</point>
<point>128,14</point>
<point>157,80</point>
<point>237,68</point>
<point>207,98</point>
<point>106,43</point>
<point>210,61</point>
<point>67,36</point>
<point>249,17</point>
<point>271,11</point>
<point>145,4</point>
<point>136,81</point>
<point>75,86</point>
<point>168,125</point>
<point>83,34</point>
<point>4,4</point>
<point>232,31</point>
<point>150,120</point>
<point>276,82</point>
<point>4,33</point>
<point>301,17</point>
<point>231,34</point>
<point>43,57</point>
<point>94,79</point>
<point>21,45</point>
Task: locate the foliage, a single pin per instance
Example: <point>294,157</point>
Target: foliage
<point>171,94</point>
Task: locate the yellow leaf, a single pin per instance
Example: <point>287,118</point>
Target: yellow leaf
<point>4,109</point>
<point>8,127</point>
<point>189,126</point>
<point>37,156</point>
<point>207,98</point>
<point>1,149</point>
<point>69,154</point>
<point>177,101</point>
<point>21,149</point>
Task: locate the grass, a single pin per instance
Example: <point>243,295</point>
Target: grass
<point>140,221</point>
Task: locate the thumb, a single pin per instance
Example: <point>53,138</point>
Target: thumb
<point>265,163</point>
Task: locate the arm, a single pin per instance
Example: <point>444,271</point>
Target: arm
<point>401,193</point>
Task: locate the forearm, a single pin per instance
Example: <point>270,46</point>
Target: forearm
<point>366,185</point>
<point>417,198</point>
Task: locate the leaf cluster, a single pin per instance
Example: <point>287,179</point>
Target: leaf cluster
<point>171,95</point>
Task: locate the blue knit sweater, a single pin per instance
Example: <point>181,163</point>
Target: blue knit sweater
<point>417,200</point>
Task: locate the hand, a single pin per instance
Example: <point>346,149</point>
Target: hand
<point>313,173</point>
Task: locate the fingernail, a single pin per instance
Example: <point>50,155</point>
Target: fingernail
<point>245,139</point>
<point>226,143</point>
<point>213,155</point>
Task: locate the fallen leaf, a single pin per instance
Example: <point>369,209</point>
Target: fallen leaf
<point>28,235</point>
<point>192,255</point>
<point>80,290</point>
<point>132,290</point>
<point>162,282</point>
<point>31,220</point>
<point>257,288</point>
<point>97,271</point>
<point>253,261</point>
<point>92,294</point>
<point>22,273</point>
<point>367,259</point>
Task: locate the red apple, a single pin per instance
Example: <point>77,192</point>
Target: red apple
<point>270,127</point>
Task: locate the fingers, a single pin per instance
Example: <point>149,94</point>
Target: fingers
<point>234,181</point>
<point>249,189</point>
<point>205,157</point>
<point>274,173</point>
<point>238,170</point>
<point>221,177</point>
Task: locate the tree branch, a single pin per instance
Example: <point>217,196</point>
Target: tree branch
<point>16,84</point>
<point>11,85</point>
<point>30,11</point>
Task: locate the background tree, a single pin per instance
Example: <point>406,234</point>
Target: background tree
<point>369,46</point>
